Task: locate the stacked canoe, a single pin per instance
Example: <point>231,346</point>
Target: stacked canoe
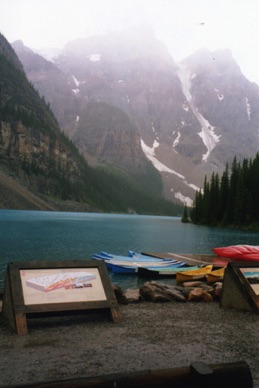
<point>134,261</point>
<point>184,274</point>
<point>152,267</point>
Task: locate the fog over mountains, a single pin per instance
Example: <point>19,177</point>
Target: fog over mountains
<point>122,99</point>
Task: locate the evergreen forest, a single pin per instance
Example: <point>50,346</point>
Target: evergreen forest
<point>232,200</point>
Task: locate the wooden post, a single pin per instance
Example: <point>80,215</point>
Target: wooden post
<point>116,315</point>
<point>21,324</point>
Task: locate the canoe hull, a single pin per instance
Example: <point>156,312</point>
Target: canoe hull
<point>216,276</point>
<point>166,272</point>
<point>123,269</point>
<point>135,267</point>
<point>239,252</point>
<point>197,274</point>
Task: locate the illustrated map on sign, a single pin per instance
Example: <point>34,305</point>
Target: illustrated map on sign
<point>67,280</point>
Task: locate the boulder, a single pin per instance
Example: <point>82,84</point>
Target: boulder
<point>132,296</point>
<point>193,284</point>
<point>155,291</point>
<point>160,292</point>
<point>217,290</point>
<point>199,295</point>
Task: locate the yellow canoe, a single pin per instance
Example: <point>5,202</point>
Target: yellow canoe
<point>216,276</point>
<point>195,274</point>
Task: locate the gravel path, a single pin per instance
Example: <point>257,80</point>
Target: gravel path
<point>151,336</point>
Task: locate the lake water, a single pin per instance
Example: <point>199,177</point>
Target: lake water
<point>39,235</point>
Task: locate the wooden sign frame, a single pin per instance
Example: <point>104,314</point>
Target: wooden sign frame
<point>35,287</point>
<point>238,291</point>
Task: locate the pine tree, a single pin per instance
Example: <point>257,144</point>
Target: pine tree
<point>185,218</point>
<point>232,192</point>
<point>223,196</point>
<point>254,187</point>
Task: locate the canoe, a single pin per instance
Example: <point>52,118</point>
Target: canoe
<point>165,272</point>
<point>195,274</point>
<point>138,257</point>
<point>131,263</point>
<point>216,276</point>
<point>239,252</point>
<point>123,260</point>
<point>133,266</point>
<point>123,269</point>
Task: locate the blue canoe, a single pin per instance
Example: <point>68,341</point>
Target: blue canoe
<point>134,266</point>
<point>131,263</point>
<point>131,255</point>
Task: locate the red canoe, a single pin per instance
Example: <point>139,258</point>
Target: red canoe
<point>239,252</point>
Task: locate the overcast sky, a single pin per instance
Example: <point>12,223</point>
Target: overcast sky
<point>184,25</point>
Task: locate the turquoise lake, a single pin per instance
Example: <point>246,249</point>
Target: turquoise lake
<point>40,235</point>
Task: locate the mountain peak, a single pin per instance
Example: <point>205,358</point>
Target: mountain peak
<point>9,53</point>
<point>131,44</point>
<point>18,45</point>
<point>219,61</point>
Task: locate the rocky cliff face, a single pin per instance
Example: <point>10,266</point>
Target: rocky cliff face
<point>227,100</point>
<point>52,83</point>
<point>122,99</point>
<point>101,130</point>
<point>113,138</point>
<point>32,148</point>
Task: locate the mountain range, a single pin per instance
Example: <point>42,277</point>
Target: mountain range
<point>41,168</point>
<point>122,100</point>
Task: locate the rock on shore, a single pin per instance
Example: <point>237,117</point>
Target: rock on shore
<point>154,291</point>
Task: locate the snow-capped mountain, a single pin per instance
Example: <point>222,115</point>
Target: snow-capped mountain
<point>122,98</point>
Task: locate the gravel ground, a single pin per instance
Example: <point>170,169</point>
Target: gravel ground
<point>151,336</point>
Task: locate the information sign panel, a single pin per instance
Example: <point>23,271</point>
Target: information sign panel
<point>49,286</point>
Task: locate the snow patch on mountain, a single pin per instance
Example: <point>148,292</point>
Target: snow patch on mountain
<point>248,109</point>
<point>220,96</point>
<point>210,139</point>
<point>176,141</point>
<point>207,133</point>
<point>76,81</point>
<point>186,200</point>
<point>94,57</point>
<point>191,185</point>
<point>151,155</point>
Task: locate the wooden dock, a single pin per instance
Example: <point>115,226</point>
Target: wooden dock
<point>192,259</point>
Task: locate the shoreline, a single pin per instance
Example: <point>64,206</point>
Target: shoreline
<point>151,336</point>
